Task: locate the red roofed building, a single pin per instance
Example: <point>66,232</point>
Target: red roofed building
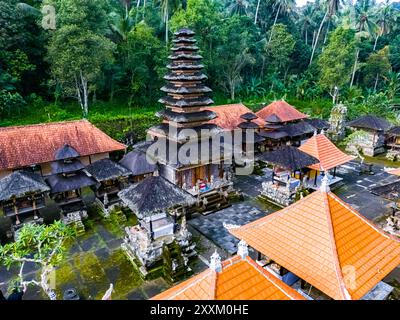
<point>32,145</point>
<point>238,278</point>
<point>282,111</point>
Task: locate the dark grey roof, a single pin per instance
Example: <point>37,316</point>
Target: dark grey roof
<point>184,32</point>
<point>185,117</point>
<point>273,118</point>
<point>248,125</point>
<point>153,195</point>
<point>298,129</point>
<point>137,163</point>
<point>20,183</point>
<point>185,47</point>
<point>60,183</point>
<point>318,123</point>
<point>164,129</point>
<point>66,152</point>
<point>62,166</point>
<point>196,76</point>
<point>256,138</point>
<point>370,122</point>
<point>389,191</point>
<point>106,169</point>
<point>248,116</point>
<point>289,157</point>
<point>182,103</point>
<point>175,65</point>
<point>275,135</point>
<point>200,88</point>
<point>395,131</point>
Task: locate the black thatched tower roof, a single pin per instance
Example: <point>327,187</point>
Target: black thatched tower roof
<point>318,124</point>
<point>248,116</point>
<point>106,169</point>
<point>21,183</point>
<point>60,183</point>
<point>137,163</point>
<point>154,195</point>
<point>389,191</point>
<point>62,166</point>
<point>186,93</point>
<point>370,122</point>
<point>298,129</point>
<point>66,152</point>
<point>289,158</point>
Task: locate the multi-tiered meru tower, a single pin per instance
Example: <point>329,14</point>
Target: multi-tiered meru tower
<point>186,102</point>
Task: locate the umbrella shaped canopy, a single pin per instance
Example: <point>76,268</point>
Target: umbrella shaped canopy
<point>289,157</point>
<point>153,195</point>
<point>137,162</point>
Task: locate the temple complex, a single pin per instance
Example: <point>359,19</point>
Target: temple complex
<point>237,278</point>
<point>322,242</point>
<point>393,144</point>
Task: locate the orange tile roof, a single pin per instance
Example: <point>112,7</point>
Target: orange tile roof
<point>327,243</point>
<point>396,172</point>
<point>325,151</point>
<point>22,146</point>
<point>282,110</point>
<point>228,115</point>
<point>240,279</point>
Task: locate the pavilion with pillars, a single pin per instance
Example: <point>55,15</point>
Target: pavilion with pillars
<point>321,242</point>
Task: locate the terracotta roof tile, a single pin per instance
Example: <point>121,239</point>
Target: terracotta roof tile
<point>395,172</point>
<point>320,147</point>
<point>228,116</point>
<point>240,279</point>
<point>22,146</point>
<point>321,239</point>
<point>282,110</point>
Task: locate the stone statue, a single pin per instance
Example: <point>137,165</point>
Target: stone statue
<point>337,120</point>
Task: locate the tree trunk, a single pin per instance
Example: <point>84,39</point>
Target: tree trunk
<point>376,82</point>
<point>256,14</point>
<point>327,31</point>
<point>306,36</point>
<point>85,93</point>
<point>272,29</point>
<point>376,41</point>
<point>317,37</point>
<point>354,67</point>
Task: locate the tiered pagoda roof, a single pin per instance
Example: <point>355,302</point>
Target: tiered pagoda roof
<point>329,156</point>
<point>186,91</point>
<point>327,243</point>
<point>238,278</point>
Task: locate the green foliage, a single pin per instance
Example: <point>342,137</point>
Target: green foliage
<point>37,243</point>
<point>10,102</point>
<point>378,104</point>
<point>377,67</point>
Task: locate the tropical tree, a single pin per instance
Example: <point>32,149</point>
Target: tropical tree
<point>238,7</point>
<point>332,7</point>
<point>386,18</point>
<point>335,65</point>
<point>364,16</point>
<point>306,21</point>
<point>393,88</point>
<point>280,7</point>
<point>168,7</point>
<point>377,67</point>
<point>42,245</point>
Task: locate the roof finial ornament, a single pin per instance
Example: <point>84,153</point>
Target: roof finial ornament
<point>243,249</point>
<point>215,262</point>
<point>323,131</point>
<point>315,132</point>
<point>325,184</point>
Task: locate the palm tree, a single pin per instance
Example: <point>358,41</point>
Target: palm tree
<point>167,7</point>
<point>121,24</point>
<point>238,7</point>
<point>306,20</point>
<point>332,7</point>
<point>281,6</point>
<point>363,16</point>
<point>386,18</point>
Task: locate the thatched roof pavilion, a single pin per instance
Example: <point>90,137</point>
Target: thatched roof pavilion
<point>289,158</point>
<point>61,166</point>
<point>389,191</point>
<point>66,152</point>
<point>59,183</point>
<point>154,195</point>
<point>137,163</point>
<point>370,122</point>
<point>106,169</point>
<point>21,183</point>
<point>318,124</point>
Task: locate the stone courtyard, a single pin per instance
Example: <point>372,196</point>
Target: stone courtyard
<point>95,260</point>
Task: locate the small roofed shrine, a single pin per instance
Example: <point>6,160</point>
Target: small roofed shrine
<point>111,178</point>
<point>252,127</point>
<point>393,144</point>
<point>284,125</point>
<point>237,278</point>
<point>66,183</point>
<point>289,165</point>
<point>324,243</point>
<point>371,138</point>
<point>22,195</point>
<point>139,166</point>
<point>158,204</point>
<point>185,131</point>
<point>329,156</point>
